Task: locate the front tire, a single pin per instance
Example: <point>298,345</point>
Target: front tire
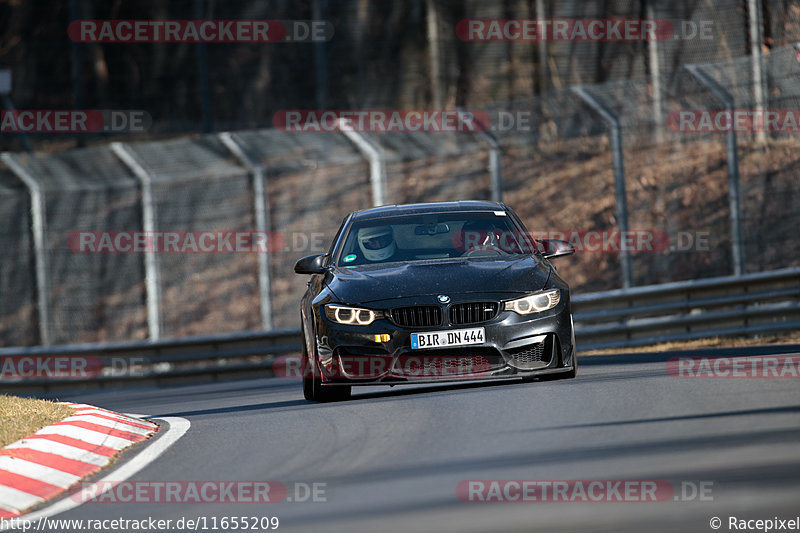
<point>313,391</point>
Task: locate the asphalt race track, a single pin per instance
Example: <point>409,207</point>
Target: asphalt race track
<point>391,459</point>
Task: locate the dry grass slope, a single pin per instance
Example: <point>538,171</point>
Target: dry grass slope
<point>20,417</point>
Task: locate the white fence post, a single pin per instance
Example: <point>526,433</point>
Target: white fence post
<point>374,154</point>
<point>151,272</point>
<point>732,151</point>
<point>619,176</point>
<point>261,207</point>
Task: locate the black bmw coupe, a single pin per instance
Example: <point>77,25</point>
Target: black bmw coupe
<point>430,293</point>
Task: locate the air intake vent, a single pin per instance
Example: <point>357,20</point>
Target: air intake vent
<point>418,316</point>
<point>532,356</point>
<point>472,313</point>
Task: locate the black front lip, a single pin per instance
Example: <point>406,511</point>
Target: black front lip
<point>507,330</point>
<point>440,381</point>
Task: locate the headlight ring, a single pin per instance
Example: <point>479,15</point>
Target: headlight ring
<point>354,316</point>
<point>534,303</point>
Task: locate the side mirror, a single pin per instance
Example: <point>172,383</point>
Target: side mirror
<point>313,264</point>
<point>552,248</point>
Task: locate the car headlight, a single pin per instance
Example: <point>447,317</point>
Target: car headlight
<point>357,316</point>
<point>534,303</point>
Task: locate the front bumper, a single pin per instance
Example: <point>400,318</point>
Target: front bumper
<point>514,347</point>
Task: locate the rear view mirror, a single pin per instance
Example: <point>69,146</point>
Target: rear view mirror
<point>432,229</point>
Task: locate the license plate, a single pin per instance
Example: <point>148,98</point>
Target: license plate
<point>445,339</point>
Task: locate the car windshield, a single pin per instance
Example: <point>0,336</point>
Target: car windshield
<point>421,237</point>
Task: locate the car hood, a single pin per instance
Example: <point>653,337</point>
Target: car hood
<point>400,280</point>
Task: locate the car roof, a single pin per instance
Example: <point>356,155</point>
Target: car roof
<point>426,208</point>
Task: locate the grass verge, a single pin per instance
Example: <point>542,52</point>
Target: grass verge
<point>20,417</point>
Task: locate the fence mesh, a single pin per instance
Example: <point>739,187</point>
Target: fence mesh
<point>550,145</point>
<point>312,181</point>
<point>770,190</point>
<point>18,316</point>
<point>91,297</point>
<point>557,173</point>
<point>198,186</point>
<point>433,166</point>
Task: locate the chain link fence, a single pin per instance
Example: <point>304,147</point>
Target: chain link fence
<point>80,297</point>
<point>552,158</point>
<point>18,317</point>
<point>384,54</point>
<point>312,181</point>
<point>767,161</point>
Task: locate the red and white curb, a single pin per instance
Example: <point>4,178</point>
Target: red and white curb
<point>45,464</point>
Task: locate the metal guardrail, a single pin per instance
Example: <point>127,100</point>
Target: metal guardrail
<point>161,361</point>
<point>765,302</point>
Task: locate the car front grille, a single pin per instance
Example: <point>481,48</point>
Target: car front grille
<point>418,316</point>
<point>473,312</point>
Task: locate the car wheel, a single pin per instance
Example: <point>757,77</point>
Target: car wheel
<point>308,388</point>
<point>313,390</point>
